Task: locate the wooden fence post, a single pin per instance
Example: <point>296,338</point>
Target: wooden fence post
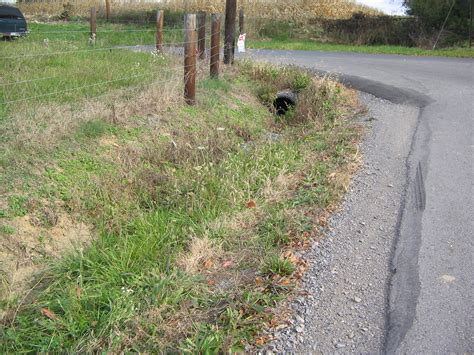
<point>93,22</point>
<point>241,21</point>
<point>215,44</point>
<point>201,24</point>
<point>190,59</point>
<point>230,14</point>
<point>107,10</point>
<point>159,30</point>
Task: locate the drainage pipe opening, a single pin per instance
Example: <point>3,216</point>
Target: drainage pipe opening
<point>285,101</point>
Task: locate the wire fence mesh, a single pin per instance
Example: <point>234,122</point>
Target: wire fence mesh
<point>30,57</point>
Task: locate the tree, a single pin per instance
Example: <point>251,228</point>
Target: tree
<point>434,12</point>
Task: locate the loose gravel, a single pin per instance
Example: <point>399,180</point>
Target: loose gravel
<point>343,299</point>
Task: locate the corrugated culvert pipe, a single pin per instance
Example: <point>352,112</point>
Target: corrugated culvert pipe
<point>285,101</point>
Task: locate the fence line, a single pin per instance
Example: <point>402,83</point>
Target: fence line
<point>86,86</point>
<point>190,65</point>
<point>118,47</point>
<point>13,83</point>
<point>175,69</point>
<point>112,31</point>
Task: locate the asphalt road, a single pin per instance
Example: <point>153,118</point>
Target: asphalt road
<point>430,287</point>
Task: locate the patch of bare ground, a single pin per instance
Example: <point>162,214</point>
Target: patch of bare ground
<point>22,254</point>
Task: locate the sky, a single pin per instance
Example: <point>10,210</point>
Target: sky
<point>391,7</point>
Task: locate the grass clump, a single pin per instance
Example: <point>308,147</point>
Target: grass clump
<point>277,265</point>
<point>92,129</point>
<point>7,230</point>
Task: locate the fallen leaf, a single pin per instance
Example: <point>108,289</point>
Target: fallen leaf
<point>208,264</point>
<point>261,340</point>
<point>227,264</point>
<point>284,282</point>
<point>211,282</point>
<point>49,314</point>
<point>251,204</point>
<point>274,322</point>
<point>259,281</point>
<point>78,292</point>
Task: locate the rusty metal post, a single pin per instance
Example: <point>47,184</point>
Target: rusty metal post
<point>159,30</point>
<point>215,44</point>
<point>190,59</point>
<point>230,15</point>
<point>242,21</point>
<point>201,24</point>
<point>93,23</point>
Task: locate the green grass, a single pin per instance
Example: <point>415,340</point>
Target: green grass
<point>57,63</point>
<point>161,184</point>
<point>309,45</point>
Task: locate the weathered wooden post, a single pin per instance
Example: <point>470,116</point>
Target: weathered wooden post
<point>215,44</point>
<point>201,24</point>
<point>242,21</point>
<point>107,10</point>
<point>159,30</point>
<point>230,14</point>
<point>93,23</point>
<point>190,59</point>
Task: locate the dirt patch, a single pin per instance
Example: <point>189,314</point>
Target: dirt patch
<point>24,251</point>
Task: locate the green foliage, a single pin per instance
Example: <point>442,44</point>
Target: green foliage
<point>434,13</point>
<point>7,230</point>
<point>266,93</point>
<point>273,229</point>
<point>310,45</point>
<point>93,129</point>
<point>17,205</point>
<point>301,81</point>
<point>151,193</point>
<point>276,265</point>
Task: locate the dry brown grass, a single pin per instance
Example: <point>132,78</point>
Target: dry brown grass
<point>202,254</point>
<point>274,9</point>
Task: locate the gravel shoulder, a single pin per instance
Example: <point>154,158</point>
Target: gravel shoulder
<point>343,304</point>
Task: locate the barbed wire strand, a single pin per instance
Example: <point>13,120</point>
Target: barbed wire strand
<point>95,50</point>
<point>177,68</point>
<point>85,86</point>
<point>112,31</point>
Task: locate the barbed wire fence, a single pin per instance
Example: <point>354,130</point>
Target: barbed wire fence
<point>198,42</point>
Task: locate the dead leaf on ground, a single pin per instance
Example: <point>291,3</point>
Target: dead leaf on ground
<point>49,314</point>
<point>208,264</point>
<point>259,281</point>
<point>284,282</point>
<point>78,292</point>
<point>227,264</point>
<point>251,204</point>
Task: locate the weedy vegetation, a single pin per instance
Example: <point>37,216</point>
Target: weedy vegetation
<point>130,221</point>
<point>278,9</point>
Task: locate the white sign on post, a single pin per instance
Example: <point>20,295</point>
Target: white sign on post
<point>241,43</point>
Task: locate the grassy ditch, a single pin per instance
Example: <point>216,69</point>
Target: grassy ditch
<point>141,224</point>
